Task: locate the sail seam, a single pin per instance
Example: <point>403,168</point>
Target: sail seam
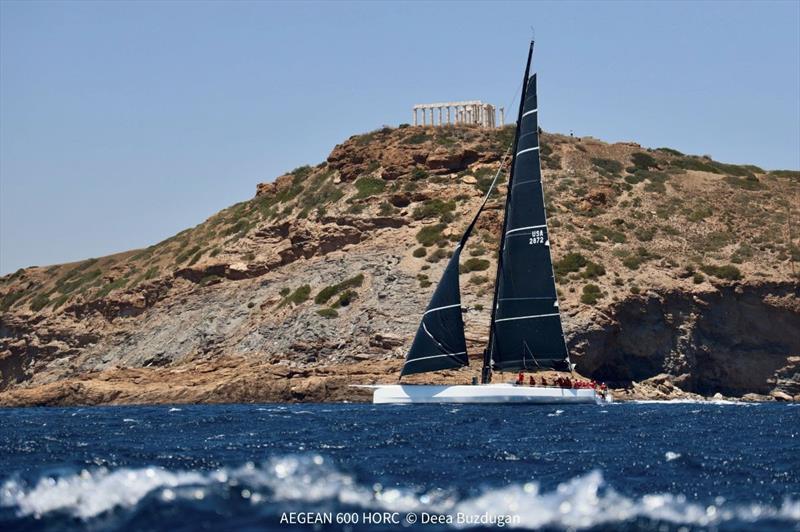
<point>526,317</point>
<point>524,298</point>
<point>526,182</point>
<point>527,150</point>
<point>530,112</point>
<point>434,356</point>
<point>442,308</point>
<point>524,228</point>
<point>507,362</point>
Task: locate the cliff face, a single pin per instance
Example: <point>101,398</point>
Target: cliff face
<point>675,275</point>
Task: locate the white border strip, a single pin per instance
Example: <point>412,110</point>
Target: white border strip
<point>434,356</point>
<point>442,308</point>
<point>530,112</point>
<point>526,151</point>
<point>526,317</point>
<point>524,228</point>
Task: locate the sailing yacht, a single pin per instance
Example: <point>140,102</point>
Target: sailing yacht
<point>526,333</point>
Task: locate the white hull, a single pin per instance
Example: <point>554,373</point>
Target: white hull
<point>483,393</point>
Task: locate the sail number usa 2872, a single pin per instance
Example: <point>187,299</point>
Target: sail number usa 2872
<point>537,237</point>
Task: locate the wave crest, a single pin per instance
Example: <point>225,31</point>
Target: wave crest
<point>582,502</point>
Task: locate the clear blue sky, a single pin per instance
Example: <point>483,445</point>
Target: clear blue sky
<point>123,123</point>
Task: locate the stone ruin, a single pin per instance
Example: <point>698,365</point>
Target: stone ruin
<point>469,112</point>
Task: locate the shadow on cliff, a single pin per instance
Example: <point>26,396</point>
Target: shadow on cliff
<point>736,340</point>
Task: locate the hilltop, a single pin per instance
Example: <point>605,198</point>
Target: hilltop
<point>676,276</point>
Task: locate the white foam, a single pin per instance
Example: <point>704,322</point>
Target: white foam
<point>581,502</point>
<point>669,456</point>
<point>91,493</point>
<point>690,402</point>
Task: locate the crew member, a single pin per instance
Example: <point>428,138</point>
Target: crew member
<point>520,379</point>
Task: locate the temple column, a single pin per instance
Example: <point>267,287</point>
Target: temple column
<point>415,117</point>
<point>440,116</point>
<point>502,117</point>
<point>448,115</point>
<point>424,116</point>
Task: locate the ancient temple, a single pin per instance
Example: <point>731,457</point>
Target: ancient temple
<point>469,112</point>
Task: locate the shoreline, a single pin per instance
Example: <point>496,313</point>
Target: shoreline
<point>235,380</point>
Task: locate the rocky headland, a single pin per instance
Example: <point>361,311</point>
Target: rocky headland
<point>676,276</point>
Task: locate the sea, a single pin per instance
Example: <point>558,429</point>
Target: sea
<point>628,466</point>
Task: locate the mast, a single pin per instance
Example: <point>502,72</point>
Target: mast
<point>486,372</point>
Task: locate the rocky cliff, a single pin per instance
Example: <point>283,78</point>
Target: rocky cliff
<point>675,272</point>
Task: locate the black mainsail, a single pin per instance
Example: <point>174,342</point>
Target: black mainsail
<point>526,331</point>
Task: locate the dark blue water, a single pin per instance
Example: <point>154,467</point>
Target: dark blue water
<point>623,466</point>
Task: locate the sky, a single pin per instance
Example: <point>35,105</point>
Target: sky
<point>122,123</point>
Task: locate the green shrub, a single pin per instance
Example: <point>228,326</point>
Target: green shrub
<point>644,161</point>
<point>419,252</point>
<point>600,233</point>
<point>184,256</point>
<point>369,186</point>
<point>585,243</point>
<point>474,264</point>
<point>700,213</point>
<point>645,234</point>
<point>698,278</point>
<point>694,163</point>
<point>634,178</point>
<point>571,262</point>
<point>114,285</point>
<point>593,270</point>
<point>151,273</point>
<point>199,254</point>
<point>591,293</point>
<point>747,183</point>
<point>386,209</point>
<point>477,251</point>
<point>728,272</point>
<point>299,295</point>
<point>345,298</point>
<point>744,251</point>
<point>716,240</point>
<point>329,291</point>
<point>285,291</point>
<point>657,187</point>
<point>419,173</point>
<point>430,234</point>
<point>438,255</point>
<point>670,151</point>
<point>417,138</point>
<point>789,174</point>
<point>38,302</point>
<point>435,207</point>
<point>478,279</point>
<point>607,166</point>
<point>328,313</point>
<point>632,262</point>
<point>635,289</point>
<point>60,300</point>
